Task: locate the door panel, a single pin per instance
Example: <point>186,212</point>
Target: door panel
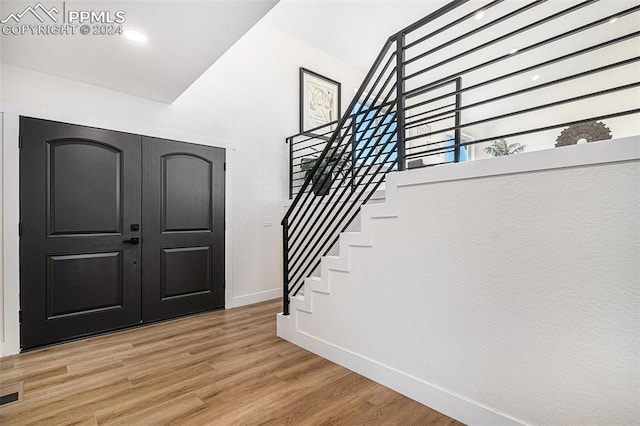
<point>79,196</point>
<point>185,271</point>
<point>92,207</point>
<point>183,235</point>
<point>186,193</point>
<point>73,287</point>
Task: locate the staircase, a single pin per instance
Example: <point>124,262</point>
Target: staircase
<point>530,286</point>
<point>470,75</point>
<point>459,77</point>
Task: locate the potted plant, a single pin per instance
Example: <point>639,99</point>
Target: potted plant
<point>322,180</point>
<point>500,147</point>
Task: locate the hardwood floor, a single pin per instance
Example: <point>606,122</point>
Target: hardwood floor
<point>220,368</point>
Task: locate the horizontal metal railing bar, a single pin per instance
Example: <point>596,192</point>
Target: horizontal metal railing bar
<point>352,162</point>
<point>354,101</point>
<point>331,171</point>
<point>348,133</point>
<point>331,132</point>
<point>542,85</point>
<point>351,197</point>
<point>315,170</point>
<point>341,139</point>
<point>310,132</point>
<point>452,24</point>
<point>356,173</point>
<point>334,187</point>
<point>440,163</point>
<point>305,156</point>
<point>475,31</point>
<point>505,36</point>
<point>318,258</point>
<point>309,147</point>
<point>424,121</point>
<point>353,150</point>
<point>541,129</point>
<point>320,244</point>
<point>351,108</point>
<point>533,109</point>
<point>377,107</point>
<point>433,164</point>
<point>305,270</point>
<point>552,61</point>
<point>429,18</point>
<point>315,144</point>
<point>527,48</point>
<point>324,136</point>
<point>369,109</point>
<point>430,87</point>
<point>431,143</point>
<point>366,128</point>
<point>440,151</point>
<point>428,111</point>
<point>298,258</point>
<point>310,138</point>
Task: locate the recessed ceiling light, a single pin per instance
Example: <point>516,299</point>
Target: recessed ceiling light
<point>513,51</point>
<point>612,20</point>
<point>479,14</point>
<point>535,77</point>
<point>135,36</point>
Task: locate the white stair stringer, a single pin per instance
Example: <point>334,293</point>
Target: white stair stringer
<point>314,286</point>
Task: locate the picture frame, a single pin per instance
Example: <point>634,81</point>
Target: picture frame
<point>319,101</point>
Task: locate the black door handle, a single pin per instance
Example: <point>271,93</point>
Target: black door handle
<point>134,241</point>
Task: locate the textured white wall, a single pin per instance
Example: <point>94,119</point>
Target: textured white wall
<point>253,92</point>
<point>519,292</point>
<point>247,102</point>
<point>1,237</point>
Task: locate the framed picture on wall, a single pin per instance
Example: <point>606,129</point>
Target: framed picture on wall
<point>319,101</point>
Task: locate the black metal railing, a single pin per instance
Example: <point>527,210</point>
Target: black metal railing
<point>460,79</point>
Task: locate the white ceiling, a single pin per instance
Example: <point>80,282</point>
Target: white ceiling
<point>351,30</point>
<point>184,39</point>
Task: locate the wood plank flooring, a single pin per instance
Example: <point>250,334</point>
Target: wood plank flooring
<point>220,368</point>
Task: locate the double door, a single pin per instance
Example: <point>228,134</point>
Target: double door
<point>116,230</point>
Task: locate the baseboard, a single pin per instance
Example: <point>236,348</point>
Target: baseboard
<point>455,406</point>
<point>261,296</point>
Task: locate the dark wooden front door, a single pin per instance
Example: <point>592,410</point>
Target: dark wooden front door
<point>103,247</point>
<point>79,196</point>
<point>183,215</point>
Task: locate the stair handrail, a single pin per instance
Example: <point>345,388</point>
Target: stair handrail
<point>385,145</point>
<point>398,39</point>
<point>339,127</point>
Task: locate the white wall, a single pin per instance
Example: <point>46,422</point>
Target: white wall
<point>247,102</point>
<point>509,297</point>
<point>262,109</point>
<point>1,236</point>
